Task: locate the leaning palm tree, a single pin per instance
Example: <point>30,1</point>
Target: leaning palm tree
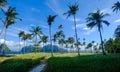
<point>10,18</point>
<point>50,19</point>
<point>72,11</point>
<point>116,6</point>
<point>96,20</point>
<point>36,31</point>
<point>20,34</point>
<point>3,3</point>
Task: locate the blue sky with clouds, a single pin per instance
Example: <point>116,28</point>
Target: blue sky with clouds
<point>35,12</point>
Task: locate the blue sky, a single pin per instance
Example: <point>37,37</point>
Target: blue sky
<point>35,12</point>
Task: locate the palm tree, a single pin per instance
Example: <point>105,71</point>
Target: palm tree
<point>36,31</point>
<point>89,46</point>
<point>72,11</point>
<point>25,37</point>
<point>84,43</point>
<point>11,16</point>
<point>71,41</point>
<point>20,34</point>
<point>61,42</point>
<point>96,20</point>
<point>92,45</point>
<point>44,39</point>
<point>116,6</point>
<point>50,19</point>
<point>117,31</point>
<point>2,4</point>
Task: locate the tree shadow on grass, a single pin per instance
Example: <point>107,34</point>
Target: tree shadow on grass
<point>19,64</point>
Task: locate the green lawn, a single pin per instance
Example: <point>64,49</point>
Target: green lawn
<point>20,63</point>
<point>84,63</point>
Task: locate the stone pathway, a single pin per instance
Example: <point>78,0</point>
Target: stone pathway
<point>40,67</point>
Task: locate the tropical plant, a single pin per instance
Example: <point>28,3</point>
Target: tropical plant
<point>25,37</point>
<point>44,39</point>
<point>89,46</point>
<point>72,11</point>
<point>84,44</point>
<point>71,41</point>
<point>50,19</point>
<point>61,42</point>
<point>116,6</point>
<point>36,32</point>
<point>10,18</point>
<point>117,31</point>
<point>96,20</point>
<point>20,34</point>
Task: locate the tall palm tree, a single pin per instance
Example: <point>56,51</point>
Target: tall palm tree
<point>96,20</point>
<point>92,46</point>
<point>50,19</point>
<point>84,43</point>
<point>11,16</point>
<point>36,31</point>
<point>116,6</point>
<point>25,37</point>
<point>72,11</point>
<point>44,39</point>
<point>61,42</point>
<point>2,4</point>
<point>20,34</point>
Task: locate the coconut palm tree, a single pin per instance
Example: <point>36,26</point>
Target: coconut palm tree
<point>25,37</point>
<point>61,42</point>
<point>2,4</point>
<point>117,31</point>
<point>72,11</point>
<point>116,6</point>
<point>96,20</point>
<point>71,41</point>
<point>10,18</point>
<point>20,34</point>
<point>50,19</point>
<point>35,32</point>
<point>44,39</point>
<point>84,43</point>
<point>89,46</point>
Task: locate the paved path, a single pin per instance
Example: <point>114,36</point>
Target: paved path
<point>40,67</point>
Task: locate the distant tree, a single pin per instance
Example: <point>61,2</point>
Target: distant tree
<point>61,42</point>
<point>71,41</point>
<point>89,46</point>
<point>72,11</point>
<point>10,18</point>
<point>117,31</point>
<point>20,34</point>
<point>96,20</point>
<point>116,6</point>
<point>36,32</point>
<point>25,37</point>
<point>84,44</point>
<point>50,19</point>
<point>44,39</point>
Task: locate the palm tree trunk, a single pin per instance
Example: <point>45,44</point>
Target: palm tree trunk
<point>2,31</point>
<point>4,42</point>
<point>19,44</point>
<point>76,35</point>
<point>36,45</point>
<point>50,41</point>
<point>102,42</point>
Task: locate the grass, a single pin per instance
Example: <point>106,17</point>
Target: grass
<point>20,63</point>
<point>69,62</point>
<point>84,63</point>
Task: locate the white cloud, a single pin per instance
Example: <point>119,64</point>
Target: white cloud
<point>72,19</point>
<point>106,10</point>
<point>116,21</point>
<point>35,9</point>
<point>14,46</point>
<point>88,32</point>
<point>54,6</point>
